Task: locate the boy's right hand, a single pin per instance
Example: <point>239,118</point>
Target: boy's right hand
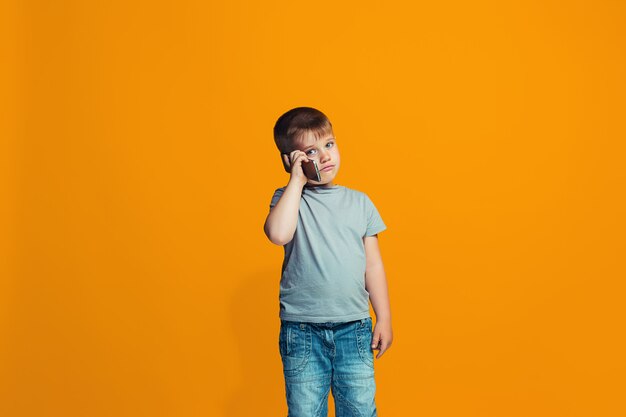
<point>294,160</point>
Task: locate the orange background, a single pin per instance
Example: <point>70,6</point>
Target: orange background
<point>139,164</point>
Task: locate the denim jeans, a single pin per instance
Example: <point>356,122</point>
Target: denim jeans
<point>318,357</point>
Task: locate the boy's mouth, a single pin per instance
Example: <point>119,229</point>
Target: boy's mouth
<point>328,168</point>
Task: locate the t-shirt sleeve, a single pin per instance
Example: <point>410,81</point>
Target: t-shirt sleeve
<point>375,223</point>
<point>276,196</point>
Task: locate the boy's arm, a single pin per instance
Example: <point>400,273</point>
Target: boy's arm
<point>376,285</point>
<point>281,222</point>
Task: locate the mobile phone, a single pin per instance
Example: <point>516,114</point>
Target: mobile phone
<point>310,169</point>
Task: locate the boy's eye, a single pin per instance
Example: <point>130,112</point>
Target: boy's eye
<point>330,144</point>
<point>309,151</point>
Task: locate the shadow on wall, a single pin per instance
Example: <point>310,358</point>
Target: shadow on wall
<point>255,323</point>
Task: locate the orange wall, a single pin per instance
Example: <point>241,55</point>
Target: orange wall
<point>141,164</point>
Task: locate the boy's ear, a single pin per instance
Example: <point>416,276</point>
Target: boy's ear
<point>286,164</point>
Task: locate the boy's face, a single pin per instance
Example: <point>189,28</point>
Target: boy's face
<point>325,152</point>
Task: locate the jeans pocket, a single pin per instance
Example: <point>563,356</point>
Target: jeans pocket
<point>364,341</point>
<point>295,346</point>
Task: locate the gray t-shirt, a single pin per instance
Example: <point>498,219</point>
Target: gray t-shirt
<point>323,272</point>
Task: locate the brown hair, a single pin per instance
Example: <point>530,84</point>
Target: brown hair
<point>297,122</point>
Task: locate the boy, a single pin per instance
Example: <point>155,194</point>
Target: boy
<point>332,266</point>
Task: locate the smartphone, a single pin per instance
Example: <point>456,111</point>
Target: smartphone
<point>310,169</point>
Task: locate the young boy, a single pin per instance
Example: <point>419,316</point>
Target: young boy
<point>332,268</point>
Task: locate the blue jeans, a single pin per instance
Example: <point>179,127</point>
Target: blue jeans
<point>318,357</point>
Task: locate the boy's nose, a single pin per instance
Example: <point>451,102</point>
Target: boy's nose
<point>324,156</point>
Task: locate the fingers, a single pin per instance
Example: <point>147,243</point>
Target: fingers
<point>380,343</point>
<point>375,340</point>
<point>297,156</point>
<point>383,348</point>
<point>295,167</point>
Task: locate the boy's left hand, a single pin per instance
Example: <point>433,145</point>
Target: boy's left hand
<point>382,337</point>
